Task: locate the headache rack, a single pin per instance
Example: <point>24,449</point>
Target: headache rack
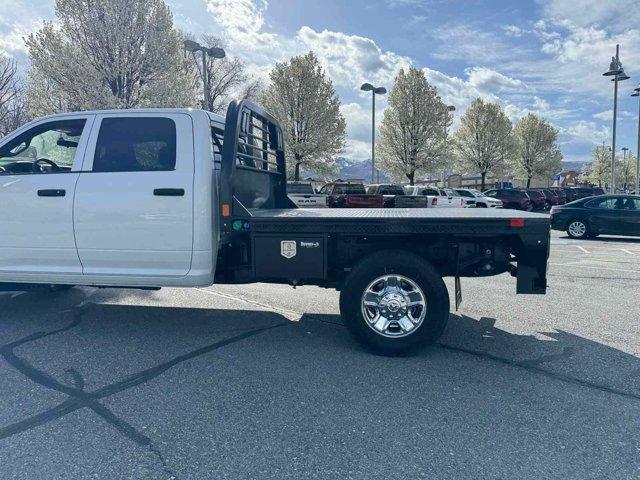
<point>253,171</point>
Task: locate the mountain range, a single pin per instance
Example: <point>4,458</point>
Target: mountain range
<point>348,169</point>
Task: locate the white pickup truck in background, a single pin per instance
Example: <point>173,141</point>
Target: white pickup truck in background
<point>446,197</point>
<point>304,196</point>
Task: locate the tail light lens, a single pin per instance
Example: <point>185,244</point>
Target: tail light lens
<point>434,201</point>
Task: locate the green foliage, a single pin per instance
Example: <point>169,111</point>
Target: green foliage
<point>484,140</point>
<point>412,135</point>
<point>108,54</point>
<point>305,103</point>
<point>536,152</point>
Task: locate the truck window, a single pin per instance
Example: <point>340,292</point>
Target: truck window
<point>349,189</point>
<point>300,188</point>
<point>135,144</point>
<point>391,190</point>
<point>217,137</point>
<point>45,148</point>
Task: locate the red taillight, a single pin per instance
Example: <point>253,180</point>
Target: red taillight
<point>516,222</point>
<point>434,201</point>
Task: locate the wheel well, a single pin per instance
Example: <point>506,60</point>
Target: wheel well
<point>443,252</point>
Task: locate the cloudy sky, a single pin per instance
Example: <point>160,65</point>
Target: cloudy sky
<point>542,56</point>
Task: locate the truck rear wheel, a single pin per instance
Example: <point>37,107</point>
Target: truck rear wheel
<point>394,302</point>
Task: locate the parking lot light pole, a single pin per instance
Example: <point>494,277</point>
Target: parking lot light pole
<point>214,52</point>
<point>367,87</point>
<point>636,93</point>
<point>615,70</point>
<point>624,164</point>
<point>450,108</point>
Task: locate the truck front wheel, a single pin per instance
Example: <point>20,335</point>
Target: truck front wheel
<point>394,302</point>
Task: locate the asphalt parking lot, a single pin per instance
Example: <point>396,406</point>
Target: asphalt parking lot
<point>262,382</point>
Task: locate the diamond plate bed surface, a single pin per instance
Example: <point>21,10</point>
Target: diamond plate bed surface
<point>392,213</point>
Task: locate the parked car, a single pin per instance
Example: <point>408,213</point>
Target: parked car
<point>446,197</point>
<point>583,192</point>
<point>511,198</point>
<point>560,195</point>
<point>477,199</point>
<point>550,198</point>
<point>603,214</point>
<point>350,195</point>
<point>304,196</point>
<point>538,199</point>
<point>570,194</point>
<point>394,196</point>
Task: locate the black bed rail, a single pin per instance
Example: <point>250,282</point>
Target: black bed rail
<point>253,171</point>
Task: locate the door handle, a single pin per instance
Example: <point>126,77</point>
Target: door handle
<point>56,192</point>
<point>169,192</point>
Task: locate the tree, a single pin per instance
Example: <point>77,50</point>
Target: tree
<point>11,98</point>
<point>600,170</point>
<point>536,152</point>
<point>109,54</point>
<point>626,172</point>
<point>412,137</point>
<point>484,139</point>
<point>226,78</point>
<point>305,103</point>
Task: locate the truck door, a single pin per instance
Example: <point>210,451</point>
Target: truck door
<point>38,172</point>
<point>133,212</point>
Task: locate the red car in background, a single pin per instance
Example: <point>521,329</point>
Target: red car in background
<point>538,199</point>
<point>350,195</point>
<point>511,198</point>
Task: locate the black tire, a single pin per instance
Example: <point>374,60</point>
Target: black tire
<point>413,268</point>
<point>481,205</point>
<point>577,232</point>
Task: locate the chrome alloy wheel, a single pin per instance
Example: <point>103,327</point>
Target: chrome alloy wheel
<point>577,229</point>
<point>393,306</point>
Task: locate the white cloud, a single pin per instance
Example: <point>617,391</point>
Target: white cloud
<point>512,31</point>
<point>617,14</point>
<point>487,80</point>
<point>20,18</point>
<point>589,132</point>
<point>607,115</point>
<point>352,59</point>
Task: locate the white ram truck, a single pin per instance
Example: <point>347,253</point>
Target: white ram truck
<point>185,198</point>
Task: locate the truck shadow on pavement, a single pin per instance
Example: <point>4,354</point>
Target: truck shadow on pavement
<point>558,354</point>
<point>178,335</point>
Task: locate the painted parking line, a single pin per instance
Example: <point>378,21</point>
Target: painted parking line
<point>582,249</point>
<point>577,265</point>
<point>629,252</point>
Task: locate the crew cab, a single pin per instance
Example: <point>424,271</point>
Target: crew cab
<point>394,197</point>
<point>186,198</point>
<point>350,195</point>
<point>304,196</point>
